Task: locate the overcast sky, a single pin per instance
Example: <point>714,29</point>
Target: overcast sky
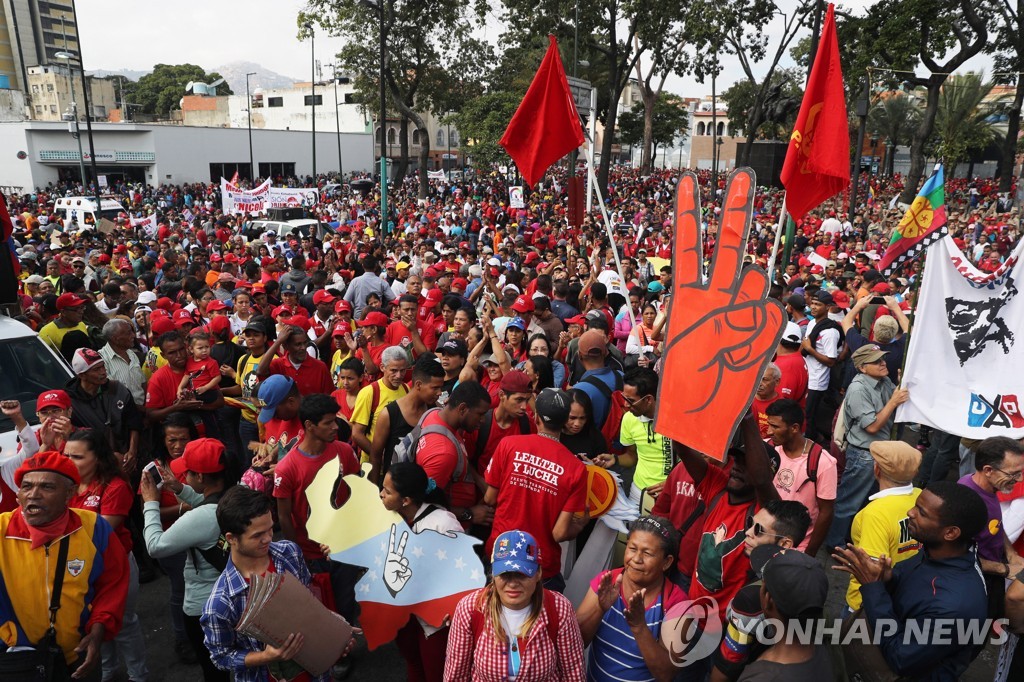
<point>211,33</point>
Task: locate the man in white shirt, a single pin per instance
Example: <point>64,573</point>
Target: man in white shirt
<point>820,348</point>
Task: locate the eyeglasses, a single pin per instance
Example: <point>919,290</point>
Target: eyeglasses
<point>630,402</point>
<point>1013,477</point>
<point>759,530</point>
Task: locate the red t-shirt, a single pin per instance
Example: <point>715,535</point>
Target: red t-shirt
<point>759,407</point>
<point>283,434</point>
<point>793,384</point>
<point>341,398</point>
<point>439,458</point>
<point>312,376</point>
<point>113,499</point>
<point>721,567</point>
<point>493,438</point>
<point>375,353</point>
<point>162,389</point>
<point>208,368</point>
<point>293,475</point>
<point>537,479</point>
<point>677,501</point>
<point>398,335</point>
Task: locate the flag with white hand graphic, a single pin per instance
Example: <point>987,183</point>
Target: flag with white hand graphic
<point>408,574</point>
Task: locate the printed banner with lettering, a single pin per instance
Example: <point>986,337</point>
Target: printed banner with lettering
<point>147,225</point>
<point>291,197</point>
<point>967,347</point>
<point>515,197</point>
<point>234,199</point>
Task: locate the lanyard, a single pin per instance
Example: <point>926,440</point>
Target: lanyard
<point>514,655</point>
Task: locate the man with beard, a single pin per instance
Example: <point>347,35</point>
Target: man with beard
<point>940,584</point>
<point>999,465</point>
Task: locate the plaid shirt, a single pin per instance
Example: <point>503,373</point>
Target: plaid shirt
<point>224,609</point>
<point>486,660</point>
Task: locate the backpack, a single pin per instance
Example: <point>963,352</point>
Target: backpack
<point>375,402</point>
<point>217,555</point>
<point>616,410</point>
<point>476,618</point>
<point>484,433</point>
<point>814,459</point>
<point>405,451</point>
<point>836,371</point>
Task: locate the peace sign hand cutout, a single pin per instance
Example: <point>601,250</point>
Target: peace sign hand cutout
<point>721,333</point>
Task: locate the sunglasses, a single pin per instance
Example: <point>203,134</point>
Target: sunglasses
<point>630,402</point>
<point>759,530</point>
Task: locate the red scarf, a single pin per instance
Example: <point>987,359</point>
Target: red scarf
<point>47,533</point>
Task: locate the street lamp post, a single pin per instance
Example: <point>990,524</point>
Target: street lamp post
<point>448,156</point>
<point>248,110</point>
<point>337,122</point>
<point>312,89</point>
<point>70,57</point>
<point>378,5</point>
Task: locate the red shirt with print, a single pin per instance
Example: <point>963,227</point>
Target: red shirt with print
<point>112,499</point>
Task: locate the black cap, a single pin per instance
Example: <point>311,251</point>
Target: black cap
<point>796,581</point>
<point>289,288</point>
<point>454,347</point>
<point>255,325</point>
<point>823,297</point>
<point>553,406</point>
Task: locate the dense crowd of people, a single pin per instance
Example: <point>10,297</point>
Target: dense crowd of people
<point>218,367</point>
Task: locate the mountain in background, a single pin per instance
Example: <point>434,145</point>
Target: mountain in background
<point>234,74</point>
<point>127,73</point>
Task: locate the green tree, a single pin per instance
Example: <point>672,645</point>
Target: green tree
<point>482,121</point>
<point>898,36</point>
<point>671,120</point>
<point>963,122</point>
<point>1008,49</point>
<point>894,117</point>
<point>433,58</point>
<point>160,90</point>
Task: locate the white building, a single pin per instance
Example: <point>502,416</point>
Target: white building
<point>291,108</point>
<point>41,152</point>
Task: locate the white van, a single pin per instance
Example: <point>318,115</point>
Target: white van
<point>83,210</point>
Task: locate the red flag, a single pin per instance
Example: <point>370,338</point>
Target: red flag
<point>234,179</point>
<point>817,163</point>
<point>546,126</point>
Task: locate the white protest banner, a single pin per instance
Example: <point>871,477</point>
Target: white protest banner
<point>291,197</point>
<point>234,199</point>
<point>966,356</point>
<point>515,197</point>
<point>435,175</point>
<point>147,225</point>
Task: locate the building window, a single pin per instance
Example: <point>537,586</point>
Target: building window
<point>392,136</point>
<point>453,138</point>
<point>275,101</point>
<point>440,138</point>
<point>39,109</point>
<point>700,128</point>
<point>35,88</point>
<point>376,135</point>
<point>350,98</point>
<point>721,129</point>
<point>49,87</point>
<point>416,136</point>
<point>308,100</point>
<point>53,108</point>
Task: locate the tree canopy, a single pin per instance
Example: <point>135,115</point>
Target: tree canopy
<point>160,90</point>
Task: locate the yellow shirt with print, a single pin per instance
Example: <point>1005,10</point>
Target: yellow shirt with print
<point>54,334</point>
<point>248,381</point>
<point>882,528</point>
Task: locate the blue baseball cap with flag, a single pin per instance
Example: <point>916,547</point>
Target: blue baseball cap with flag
<point>272,392</point>
<point>515,551</point>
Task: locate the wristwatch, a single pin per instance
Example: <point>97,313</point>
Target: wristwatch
<point>467,514</point>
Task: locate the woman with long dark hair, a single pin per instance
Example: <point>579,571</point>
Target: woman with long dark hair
<point>580,433</point>
<point>104,490</point>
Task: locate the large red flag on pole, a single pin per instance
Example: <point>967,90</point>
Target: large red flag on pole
<point>546,126</point>
<point>817,163</point>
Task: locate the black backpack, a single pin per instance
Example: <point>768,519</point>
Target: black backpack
<point>217,555</point>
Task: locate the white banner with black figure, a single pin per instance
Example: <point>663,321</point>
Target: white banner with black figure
<point>966,355</point>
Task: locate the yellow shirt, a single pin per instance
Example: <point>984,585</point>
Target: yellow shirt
<point>881,528</point>
<point>339,357</point>
<point>361,411</point>
<point>54,334</point>
<point>247,379</point>
<point>154,361</point>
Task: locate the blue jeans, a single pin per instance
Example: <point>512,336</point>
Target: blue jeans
<point>248,432</point>
<point>858,479</point>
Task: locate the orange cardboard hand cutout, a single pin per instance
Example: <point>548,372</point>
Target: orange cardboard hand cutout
<point>721,333</point>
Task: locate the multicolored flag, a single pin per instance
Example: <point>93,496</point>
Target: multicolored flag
<point>922,226</point>
<point>546,126</point>
<point>817,163</point>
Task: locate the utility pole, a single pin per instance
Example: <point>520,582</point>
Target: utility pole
<point>248,111</point>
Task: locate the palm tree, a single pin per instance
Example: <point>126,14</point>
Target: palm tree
<point>894,118</point>
<point>965,121</point>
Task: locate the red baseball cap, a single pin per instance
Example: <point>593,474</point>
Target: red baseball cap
<point>323,296</point>
<point>342,306</point>
<point>460,283</point>
<point>433,296</point>
<point>54,398</point>
<point>201,456</point>
<point>881,288</point>
<point>523,304</point>
<point>341,328</point>
<point>576,319</point>
<point>219,325</point>
<point>70,301</point>
<point>215,305</point>
<point>841,299</point>
<point>280,310</point>
<point>300,321</point>
<point>183,317</point>
<point>375,319</point>
<point>161,325</point>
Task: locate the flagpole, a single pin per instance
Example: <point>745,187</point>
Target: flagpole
<point>589,153</point>
<point>778,240</point>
